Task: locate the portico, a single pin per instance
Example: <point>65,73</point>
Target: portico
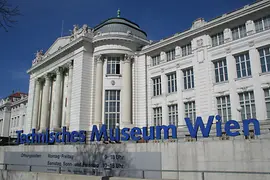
<point>47,95</point>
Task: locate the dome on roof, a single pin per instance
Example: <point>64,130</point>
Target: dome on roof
<point>120,25</point>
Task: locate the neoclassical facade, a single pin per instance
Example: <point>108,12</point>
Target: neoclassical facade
<point>112,74</point>
<point>13,114</point>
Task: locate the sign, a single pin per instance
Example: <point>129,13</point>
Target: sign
<point>232,128</point>
<point>87,164</point>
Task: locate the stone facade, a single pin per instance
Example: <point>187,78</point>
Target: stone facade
<point>13,114</point>
<point>112,74</point>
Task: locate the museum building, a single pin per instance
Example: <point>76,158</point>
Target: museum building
<point>113,74</point>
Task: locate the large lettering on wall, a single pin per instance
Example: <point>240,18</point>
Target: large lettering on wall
<point>231,128</point>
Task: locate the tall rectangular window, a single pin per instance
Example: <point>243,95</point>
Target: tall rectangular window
<point>157,116</point>
<point>190,111</point>
<point>217,39</point>
<point>267,101</point>
<point>262,24</point>
<point>265,59</point>
<point>157,86</point>
<point>243,65</point>
<point>221,72</point>
<point>188,78</point>
<point>172,82</point>
<point>186,50</point>
<point>173,114</point>
<point>113,65</point>
<point>247,103</point>
<point>155,60</point>
<point>224,108</point>
<point>239,32</point>
<point>170,55</point>
<point>112,108</point>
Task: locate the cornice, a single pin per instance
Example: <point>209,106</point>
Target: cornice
<point>118,36</point>
<point>57,53</point>
<point>20,101</point>
<point>211,24</point>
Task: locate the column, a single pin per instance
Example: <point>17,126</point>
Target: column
<point>227,35</point>
<point>99,90</point>
<point>235,105</point>
<point>44,121</point>
<point>257,89</point>
<point>70,73</point>
<point>58,100</point>
<point>126,96</point>
<point>36,105</point>
<point>250,27</point>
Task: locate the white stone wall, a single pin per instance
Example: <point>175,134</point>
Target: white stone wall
<point>207,154</point>
<point>80,102</point>
<point>31,95</point>
<point>206,90</point>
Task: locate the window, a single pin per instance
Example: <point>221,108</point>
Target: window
<point>243,65</point>
<point>224,108</point>
<point>188,78</point>
<point>221,72</point>
<point>157,116</point>
<point>112,108</point>
<point>170,55</point>
<point>155,60</point>
<point>265,59</point>
<point>156,86</point>
<point>262,24</point>
<point>172,82</point>
<point>217,39</point>
<point>190,111</point>
<point>247,103</point>
<point>267,101</point>
<point>186,50</point>
<point>173,114</point>
<point>113,65</point>
<point>239,32</point>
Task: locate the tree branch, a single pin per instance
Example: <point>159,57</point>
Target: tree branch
<point>7,12</point>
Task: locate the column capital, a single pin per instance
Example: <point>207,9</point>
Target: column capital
<point>59,70</point>
<point>39,80</point>
<point>70,65</point>
<point>48,76</point>
<point>128,58</point>
<point>99,58</point>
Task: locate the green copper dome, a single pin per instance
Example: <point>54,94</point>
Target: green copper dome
<point>119,24</point>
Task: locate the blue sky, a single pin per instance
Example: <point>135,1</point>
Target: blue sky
<point>41,24</point>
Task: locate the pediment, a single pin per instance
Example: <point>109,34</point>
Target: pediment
<point>59,43</point>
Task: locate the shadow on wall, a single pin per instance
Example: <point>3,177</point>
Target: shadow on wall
<point>104,160</point>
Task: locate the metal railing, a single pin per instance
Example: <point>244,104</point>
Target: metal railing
<point>109,172</point>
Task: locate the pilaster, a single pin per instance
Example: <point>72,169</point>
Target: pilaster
<point>127,92</point>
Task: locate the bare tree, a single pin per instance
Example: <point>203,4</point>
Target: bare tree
<point>7,12</point>
<point>105,159</point>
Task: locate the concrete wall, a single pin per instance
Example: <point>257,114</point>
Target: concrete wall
<point>206,154</point>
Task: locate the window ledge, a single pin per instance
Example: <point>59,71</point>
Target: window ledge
<point>220,83</point>
<point>264,73</point>
<point>157,96</point>
<point>190,89</point>
<point>171,93</point>
<point>242,78</point>
<point>113,75</point>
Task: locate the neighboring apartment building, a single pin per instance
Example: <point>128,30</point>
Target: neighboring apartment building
<point>112,74</point>
<point>13,114</point>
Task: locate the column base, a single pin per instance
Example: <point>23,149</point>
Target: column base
<point>42,130</point>
<point>126,125</point>
<point>56,129</point>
